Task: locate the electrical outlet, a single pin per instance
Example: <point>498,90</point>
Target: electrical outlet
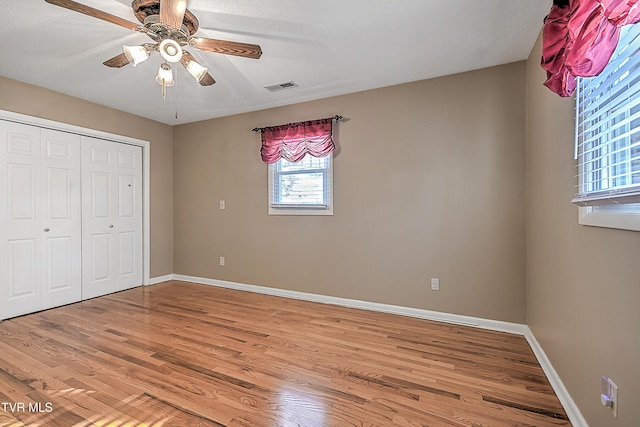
<point>435,284</point>
<point>221,260</point>
<point>609,395</point>
<point>222,204</point>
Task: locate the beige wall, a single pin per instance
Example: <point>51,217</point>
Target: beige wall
<point>429,182</point>
<point>583,284</point>
<point>34,101</point>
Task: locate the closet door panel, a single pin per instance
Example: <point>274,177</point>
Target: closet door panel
<point>40,228</point>
<point>126,253</point>
<point>60,255</point>
<point>22,141</point>
<point>98,256</point>
<point>22,194</point>
<point>101,247</point>
<point>112,217</point>
<point>129,216</point>
<point>22,262</point>
<point>126,195</point>
<point>61,218</point>
<point>59,183</point>
<point>20,222</point>
<point>99,184</point>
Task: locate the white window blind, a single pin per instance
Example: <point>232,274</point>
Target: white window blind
<point>303,187</point>
<point>607,144</point>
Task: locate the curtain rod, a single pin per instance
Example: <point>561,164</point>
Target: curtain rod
<point>336,118</point>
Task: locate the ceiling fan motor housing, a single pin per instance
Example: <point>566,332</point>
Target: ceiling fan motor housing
<point>143,9</point>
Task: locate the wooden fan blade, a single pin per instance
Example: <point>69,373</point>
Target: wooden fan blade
<point>186,57</point>
<point>172,12</point>
<point>206,80</point>
<point>88,10</point>
<point>226,47</point>
<point>117,61</point>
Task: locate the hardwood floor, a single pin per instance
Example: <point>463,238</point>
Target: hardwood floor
<point>179,354</point>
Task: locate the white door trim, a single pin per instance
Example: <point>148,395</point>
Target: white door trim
<point>146,165</point>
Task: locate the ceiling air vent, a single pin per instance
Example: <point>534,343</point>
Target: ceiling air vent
<point>281,86</point>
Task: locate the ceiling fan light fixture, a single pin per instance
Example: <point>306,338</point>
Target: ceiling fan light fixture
<point>196,70</point>
<point>165,76</point>
<point>135,54</point>
<point>170,50</point>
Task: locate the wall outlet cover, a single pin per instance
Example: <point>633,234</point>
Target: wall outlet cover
<point>609,395</point>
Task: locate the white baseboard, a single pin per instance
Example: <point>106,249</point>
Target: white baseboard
<point>574,414</point>
<point>160,279</point>
<point>570,407</point>
<point>495,325</point>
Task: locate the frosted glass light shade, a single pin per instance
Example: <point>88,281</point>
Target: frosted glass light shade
<point>135,54</point>
<point>196,70</point>
<point>165,74</point>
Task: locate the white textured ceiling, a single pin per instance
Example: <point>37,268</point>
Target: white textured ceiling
<point>327,47</point>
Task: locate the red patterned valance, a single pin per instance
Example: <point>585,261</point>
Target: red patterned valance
<point>293,141</point>
<point>579,37</point>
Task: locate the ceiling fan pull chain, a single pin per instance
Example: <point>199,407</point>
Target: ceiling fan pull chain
<point>176,93</point>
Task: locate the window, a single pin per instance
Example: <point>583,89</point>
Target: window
<point>608,139</point>
<point>301,188</point>
<point>300,162</point>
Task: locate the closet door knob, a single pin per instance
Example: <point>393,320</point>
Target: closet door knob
<point>46,230</point>
<point>110,225</point>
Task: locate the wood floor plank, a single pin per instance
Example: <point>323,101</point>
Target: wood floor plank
<point>186,355</point>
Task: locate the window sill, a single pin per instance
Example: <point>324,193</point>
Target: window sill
<point>622,217</point>
<point>319,210</point>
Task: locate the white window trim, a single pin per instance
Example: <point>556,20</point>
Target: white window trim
<point>617,208</point>
<point>318,210</point>
<point>610,216</point>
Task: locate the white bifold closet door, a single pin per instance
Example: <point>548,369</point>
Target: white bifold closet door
<point>111,217</point>
<point>40,219</point>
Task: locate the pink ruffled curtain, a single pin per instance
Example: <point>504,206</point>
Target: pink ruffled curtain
<point>294,141</point>
<point>579,37</point>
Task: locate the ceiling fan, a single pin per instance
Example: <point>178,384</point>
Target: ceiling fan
<point>171,26</point>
